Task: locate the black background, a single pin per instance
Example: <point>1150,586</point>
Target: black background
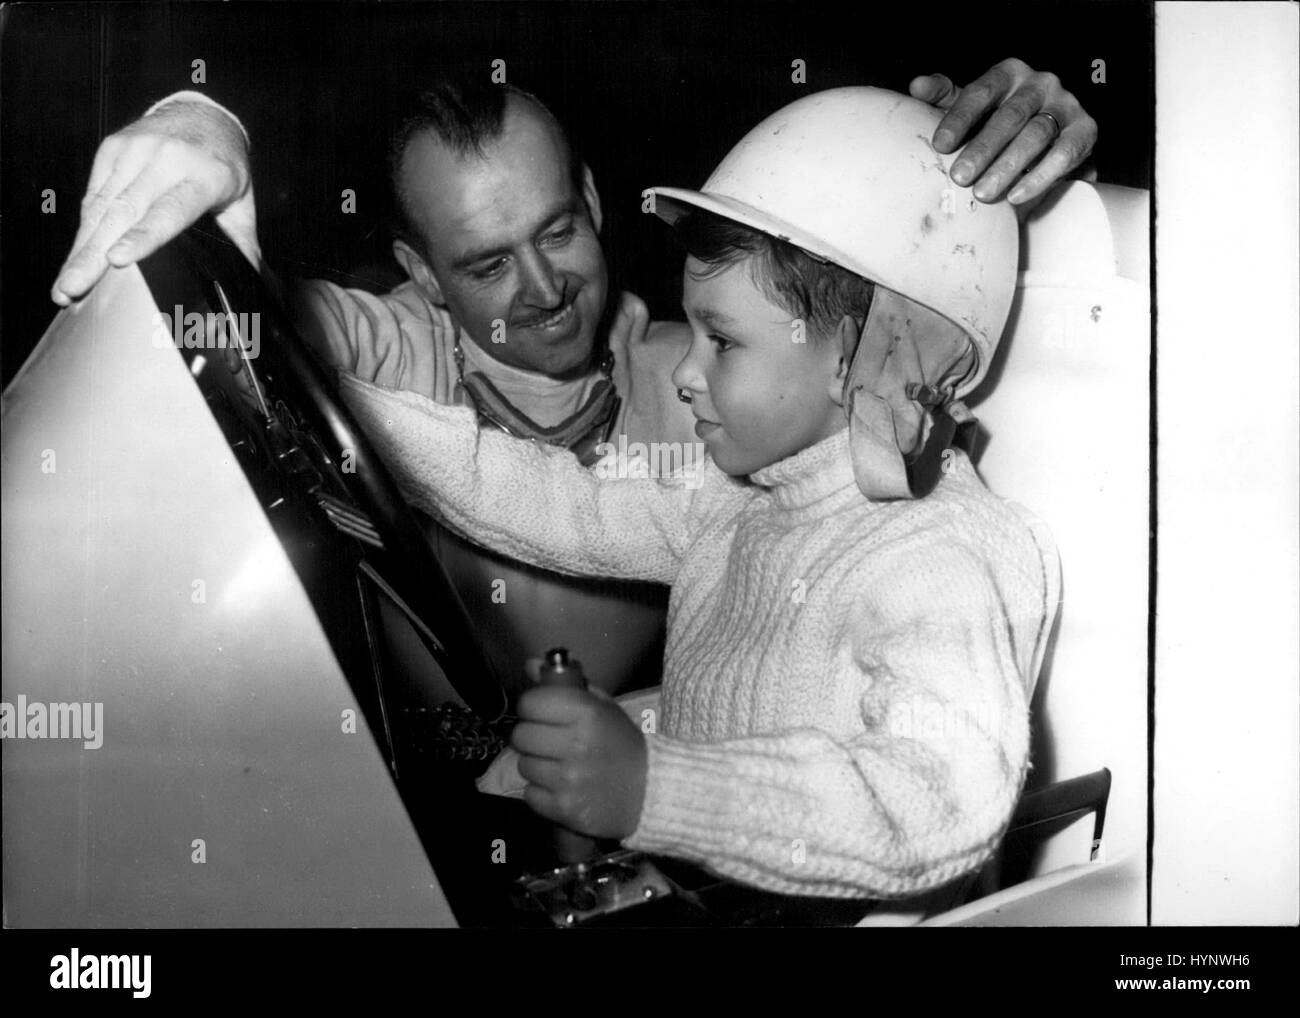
<point>654,93</point>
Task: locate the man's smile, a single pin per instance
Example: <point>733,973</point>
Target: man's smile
<point>555,323</point>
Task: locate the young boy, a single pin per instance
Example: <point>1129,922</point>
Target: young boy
<point>855,622</point>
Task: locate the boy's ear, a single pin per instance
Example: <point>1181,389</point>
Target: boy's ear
<point>591,196</point>
<point>841,346</point>
<point>414,265</point>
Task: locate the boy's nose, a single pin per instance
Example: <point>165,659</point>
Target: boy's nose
<point>687,375</point>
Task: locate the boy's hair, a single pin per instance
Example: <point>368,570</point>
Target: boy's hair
<point>466,116</point>
<point>818,292</point>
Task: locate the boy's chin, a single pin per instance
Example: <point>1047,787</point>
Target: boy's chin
<point>736,462</point>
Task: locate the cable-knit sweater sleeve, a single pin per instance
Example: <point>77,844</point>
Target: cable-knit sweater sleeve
<point>529,501</point>
<point>915,791</point>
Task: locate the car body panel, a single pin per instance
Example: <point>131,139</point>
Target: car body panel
<point>237,783</point>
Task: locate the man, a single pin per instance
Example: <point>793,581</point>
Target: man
<point>506,306</point>
<point>497,225</point>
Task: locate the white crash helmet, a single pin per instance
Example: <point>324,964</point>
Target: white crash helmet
<point>849,175</point>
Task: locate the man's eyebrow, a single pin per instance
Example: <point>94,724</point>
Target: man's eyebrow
<point>569,207</point>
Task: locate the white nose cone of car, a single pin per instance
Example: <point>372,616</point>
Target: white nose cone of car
<point>181,745</point>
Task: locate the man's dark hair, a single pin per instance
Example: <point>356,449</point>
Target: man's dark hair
<point>818,292</point>
<point>466,116</point>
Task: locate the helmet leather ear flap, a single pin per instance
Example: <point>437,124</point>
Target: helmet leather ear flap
<point>898,395</point>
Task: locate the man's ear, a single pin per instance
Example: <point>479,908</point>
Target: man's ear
<point>413,263</point>
<point>841,345</point>
<point>591,196</point>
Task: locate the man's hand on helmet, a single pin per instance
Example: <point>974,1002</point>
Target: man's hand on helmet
<point>150,181</point>
<point>1005,154</point>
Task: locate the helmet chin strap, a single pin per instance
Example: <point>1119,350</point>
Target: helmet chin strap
<point>904,369</point>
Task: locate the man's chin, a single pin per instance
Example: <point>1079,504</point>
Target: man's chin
<point>573,359</point>
<point>569,356</point>
<point>562,354</point>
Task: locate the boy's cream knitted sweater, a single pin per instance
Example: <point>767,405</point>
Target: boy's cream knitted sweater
<point>844,703</point>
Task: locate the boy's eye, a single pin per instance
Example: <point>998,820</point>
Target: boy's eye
<point>722,343</point>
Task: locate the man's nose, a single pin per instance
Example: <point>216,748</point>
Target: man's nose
<point>539,287</point>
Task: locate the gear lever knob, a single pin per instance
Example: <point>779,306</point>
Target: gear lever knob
<point>558,670</point>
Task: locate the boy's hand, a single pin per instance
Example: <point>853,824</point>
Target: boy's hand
<point>1016,133</point>
<point>149,182</point>
<point>583,758</point>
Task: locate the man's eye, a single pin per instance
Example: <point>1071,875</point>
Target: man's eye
<point>561,235</point>
<point>722,343</point>
<point>489,270</point>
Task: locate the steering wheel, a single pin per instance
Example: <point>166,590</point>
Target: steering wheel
<point>304,454</point>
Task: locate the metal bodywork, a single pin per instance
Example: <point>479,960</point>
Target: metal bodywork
<point>238,782</point>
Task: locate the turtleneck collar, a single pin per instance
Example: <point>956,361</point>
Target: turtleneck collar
<point>546,400</point>
<point>811,475</point>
